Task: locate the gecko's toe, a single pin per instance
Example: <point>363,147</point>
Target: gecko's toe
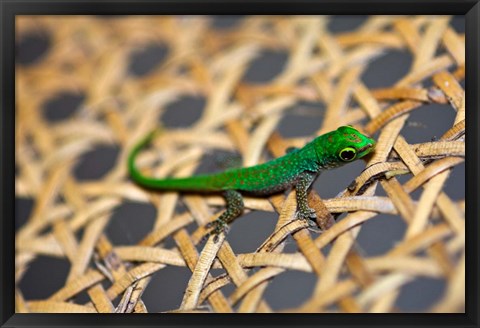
<point>217,227</point>
<point>300,216</point>
<point>224,229</point>
<point>314,228</point>
<point>312,224</point>
<point>307,215</point>
<point>205,237</point>
<point>221,227</point>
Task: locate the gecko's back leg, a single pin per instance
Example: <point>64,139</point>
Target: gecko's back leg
<point>234,208</point>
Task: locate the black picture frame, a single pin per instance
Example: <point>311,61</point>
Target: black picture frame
<point>11,8</point>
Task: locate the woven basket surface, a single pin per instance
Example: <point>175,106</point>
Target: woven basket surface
<point>70,217</point>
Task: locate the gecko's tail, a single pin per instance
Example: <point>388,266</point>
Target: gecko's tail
<point>134,172</point>
<point>204,183</point>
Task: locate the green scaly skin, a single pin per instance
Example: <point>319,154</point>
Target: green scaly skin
<point>298,168</point>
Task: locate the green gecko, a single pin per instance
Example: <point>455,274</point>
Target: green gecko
<point>298,168</point>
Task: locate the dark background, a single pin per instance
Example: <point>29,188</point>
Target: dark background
<point>290,289</point>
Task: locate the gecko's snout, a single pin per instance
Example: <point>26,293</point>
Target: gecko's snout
<point>366,147</point>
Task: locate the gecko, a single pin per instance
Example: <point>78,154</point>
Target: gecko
<point>298,169</point>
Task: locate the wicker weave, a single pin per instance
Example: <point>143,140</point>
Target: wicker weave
<point>91,55</point>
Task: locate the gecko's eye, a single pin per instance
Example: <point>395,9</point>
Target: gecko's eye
<point>348,154</point>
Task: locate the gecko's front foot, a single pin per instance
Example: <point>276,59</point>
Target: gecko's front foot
<point>309,215</point>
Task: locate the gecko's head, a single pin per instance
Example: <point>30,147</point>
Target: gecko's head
<point>344,145</point>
